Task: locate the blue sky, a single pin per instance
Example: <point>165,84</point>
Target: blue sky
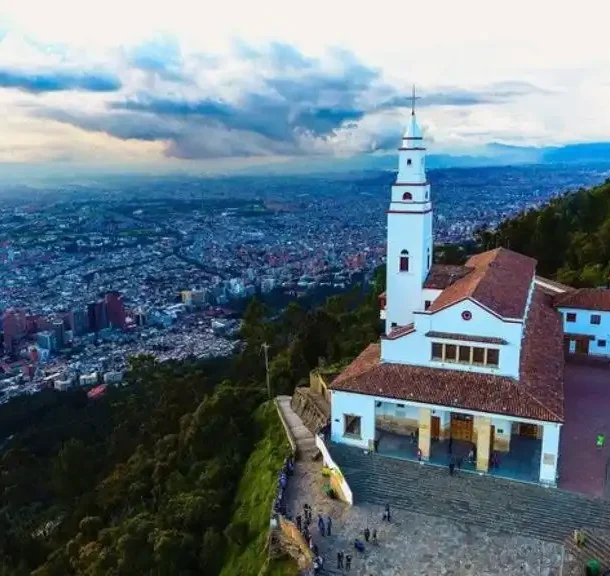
<point>237,83</point>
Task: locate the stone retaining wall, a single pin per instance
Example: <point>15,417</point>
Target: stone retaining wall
<point>310,409</point>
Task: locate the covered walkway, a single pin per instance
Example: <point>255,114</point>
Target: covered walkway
<point>522,462</point>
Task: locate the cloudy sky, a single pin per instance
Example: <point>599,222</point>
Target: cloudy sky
<point>168,83</point>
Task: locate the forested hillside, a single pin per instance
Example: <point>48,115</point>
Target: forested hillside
<point>570,237</point>
<point>149,479</point>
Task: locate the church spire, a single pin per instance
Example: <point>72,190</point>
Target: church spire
<point>413,97</point>
<point>413,131</point>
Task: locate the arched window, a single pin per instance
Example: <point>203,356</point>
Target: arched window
<point>409,161</point>
<point>407,196</point>
<point>404,261</point>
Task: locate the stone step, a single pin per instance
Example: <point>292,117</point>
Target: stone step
<point>514,499</point>
<point>431,477</point>
<point>554,533</point>
<point>494,503</point>
<point>468,499</point>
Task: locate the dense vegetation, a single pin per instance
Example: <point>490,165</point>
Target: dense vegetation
<point>255,496</point>
<point>570,237</point>
<point>174,473</point>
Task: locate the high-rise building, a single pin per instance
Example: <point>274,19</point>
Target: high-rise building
<point>116,310</point>
<point>91,323</point>
<point>59,331</point>
<point>141,318</point>
<point>80,321</point>
<point>46,340</point>
<point>101,315</point>
<point>97,313</point>
<point>14,328</point>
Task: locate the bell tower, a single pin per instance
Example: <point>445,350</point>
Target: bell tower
<point>409,243</point>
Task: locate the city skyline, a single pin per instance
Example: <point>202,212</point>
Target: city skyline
<point>135,84</point>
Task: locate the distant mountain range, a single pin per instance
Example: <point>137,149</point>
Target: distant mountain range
<point>494,154</point>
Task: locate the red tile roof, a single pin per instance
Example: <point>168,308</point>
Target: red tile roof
<point>585,299</point>
<point>500,281</point>
<point>538,394</point>
<point>440,276</point>
<point>97,391</point>
<point>399,331</point>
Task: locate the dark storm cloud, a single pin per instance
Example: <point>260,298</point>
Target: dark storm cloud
<point>298,96</point>
<point>494,94</point>
<point>287,99</point>
<point>37,83</point>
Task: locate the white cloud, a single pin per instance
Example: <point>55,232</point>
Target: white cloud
<point>473,45</point>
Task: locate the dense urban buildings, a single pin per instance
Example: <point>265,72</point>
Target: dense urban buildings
<point>94,272</point>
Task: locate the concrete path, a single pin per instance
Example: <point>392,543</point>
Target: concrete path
<point>306,444</point>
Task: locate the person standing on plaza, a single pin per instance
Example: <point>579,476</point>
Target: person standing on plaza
<point>329,524</point>
<point>348,562</point>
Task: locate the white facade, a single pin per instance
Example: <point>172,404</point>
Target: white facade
<point>416,348</point>
<point>409,232</point>
<point>550,453</point>
<point>583,324</point>
<point>347,405</point>
<point>414,335</point>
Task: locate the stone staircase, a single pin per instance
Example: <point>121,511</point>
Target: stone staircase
<point>305,441</point>
<point>492,503</point>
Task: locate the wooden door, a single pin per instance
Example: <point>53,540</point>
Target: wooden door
<point>566,344</point>
<point>582,346</point>
<point>530,430</point>
<point>436,428</point>
<point>492,437</point>
<point>461,427</point>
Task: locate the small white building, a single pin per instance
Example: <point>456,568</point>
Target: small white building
<point>471,362</point>
<point>586,320</point>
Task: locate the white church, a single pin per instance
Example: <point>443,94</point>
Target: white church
<point>470,367</point>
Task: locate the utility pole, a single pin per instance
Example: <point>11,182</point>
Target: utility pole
<point>265,349</point>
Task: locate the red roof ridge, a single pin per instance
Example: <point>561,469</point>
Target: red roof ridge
<point>537,394</point>
<point>585,299</point>
<point>500,281</point>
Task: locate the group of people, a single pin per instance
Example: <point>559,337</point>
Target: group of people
<point>344,561</point>
<point>303,523</point>
<point>287,470</point>
<point>456,462</point>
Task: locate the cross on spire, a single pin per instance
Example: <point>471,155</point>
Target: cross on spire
<point>413,98</point>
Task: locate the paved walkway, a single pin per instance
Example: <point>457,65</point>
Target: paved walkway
<point>306,444</point>
<point>582,465</point>
<point>412,544</point>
